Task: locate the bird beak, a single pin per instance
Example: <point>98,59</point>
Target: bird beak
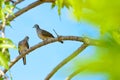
<point>34,26</point>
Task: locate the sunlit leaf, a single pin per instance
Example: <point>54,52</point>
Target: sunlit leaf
<point>53,5</point>
<point>103,13</point>
<point>77,8</point>
<point>116,35</point>
<point>5,8</point>
<point>2,15</point>
<point>1,3</point>
<point>59,3</point>
<point>66,3</point>
<point>6,43</point>
<point>1,78</point>
<point>4,61</point>
<point>8,8</point>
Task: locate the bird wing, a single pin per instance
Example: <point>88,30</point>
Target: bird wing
<point>19,50</point>
<point>27,45</point>
<point>46,33</point>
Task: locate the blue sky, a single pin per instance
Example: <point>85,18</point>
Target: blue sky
<point>41,61</point>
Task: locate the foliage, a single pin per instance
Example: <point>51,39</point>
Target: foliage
<point>61,4</point>
<point>5,44</point>
<point>105,60</point>
<point>5,8</point>
<point>103,14</point>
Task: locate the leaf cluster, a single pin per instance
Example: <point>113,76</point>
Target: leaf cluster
<point>5,8</point>
<point>103,14</point>
<point>5,44</point>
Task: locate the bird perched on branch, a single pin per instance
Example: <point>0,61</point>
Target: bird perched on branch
<point>43,34</point>
<point>23,46</point>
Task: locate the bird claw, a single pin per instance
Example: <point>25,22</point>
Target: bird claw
<point>60,39</point>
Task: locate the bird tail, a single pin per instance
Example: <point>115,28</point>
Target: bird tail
<point>58,36</point>
<point>61,42</point>
<point>24,60</point>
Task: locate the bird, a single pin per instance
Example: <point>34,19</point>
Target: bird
<point>23,46</point>
<point>43,34</point>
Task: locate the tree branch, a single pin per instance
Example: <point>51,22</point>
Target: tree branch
<point>73,38</point>
<point>30,6</point>
<point>66,60</point>
<point>75,73</point>
<point>3,24</point>
<point>17,2</point>
<point>86,67</point>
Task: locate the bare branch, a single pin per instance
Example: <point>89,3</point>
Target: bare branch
<point>51,40</point>
<point>25,9</point>
<point>66,60</point>
<point>3,24</point>
<point>86,67</point>
<point>30,6</point>
<point>17,2</point>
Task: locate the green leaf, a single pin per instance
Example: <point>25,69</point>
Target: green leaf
<point>2,15</point>
<point>4,61</point>
<point>6,43</point>
<point>6,53</point>
<point>66,3</point>
<point>1,3</point>
<point>103,14</point>
<point>1,78</point>
<point>116,36</point>
<point>5,8</point>
<point>53,5</point>
<point>59,3</point>
<point>8,8</point>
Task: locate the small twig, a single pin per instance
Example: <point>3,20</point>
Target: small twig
<point>66,60</point>
<point>27,8</point>
<point>30,6</point>
<point>2,26</point>
<point>17,2</point>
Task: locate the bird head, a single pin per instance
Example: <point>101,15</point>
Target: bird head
<point>26,38</point>
<point>36,26</point>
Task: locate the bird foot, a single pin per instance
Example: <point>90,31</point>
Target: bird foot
<point>60,39</point>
